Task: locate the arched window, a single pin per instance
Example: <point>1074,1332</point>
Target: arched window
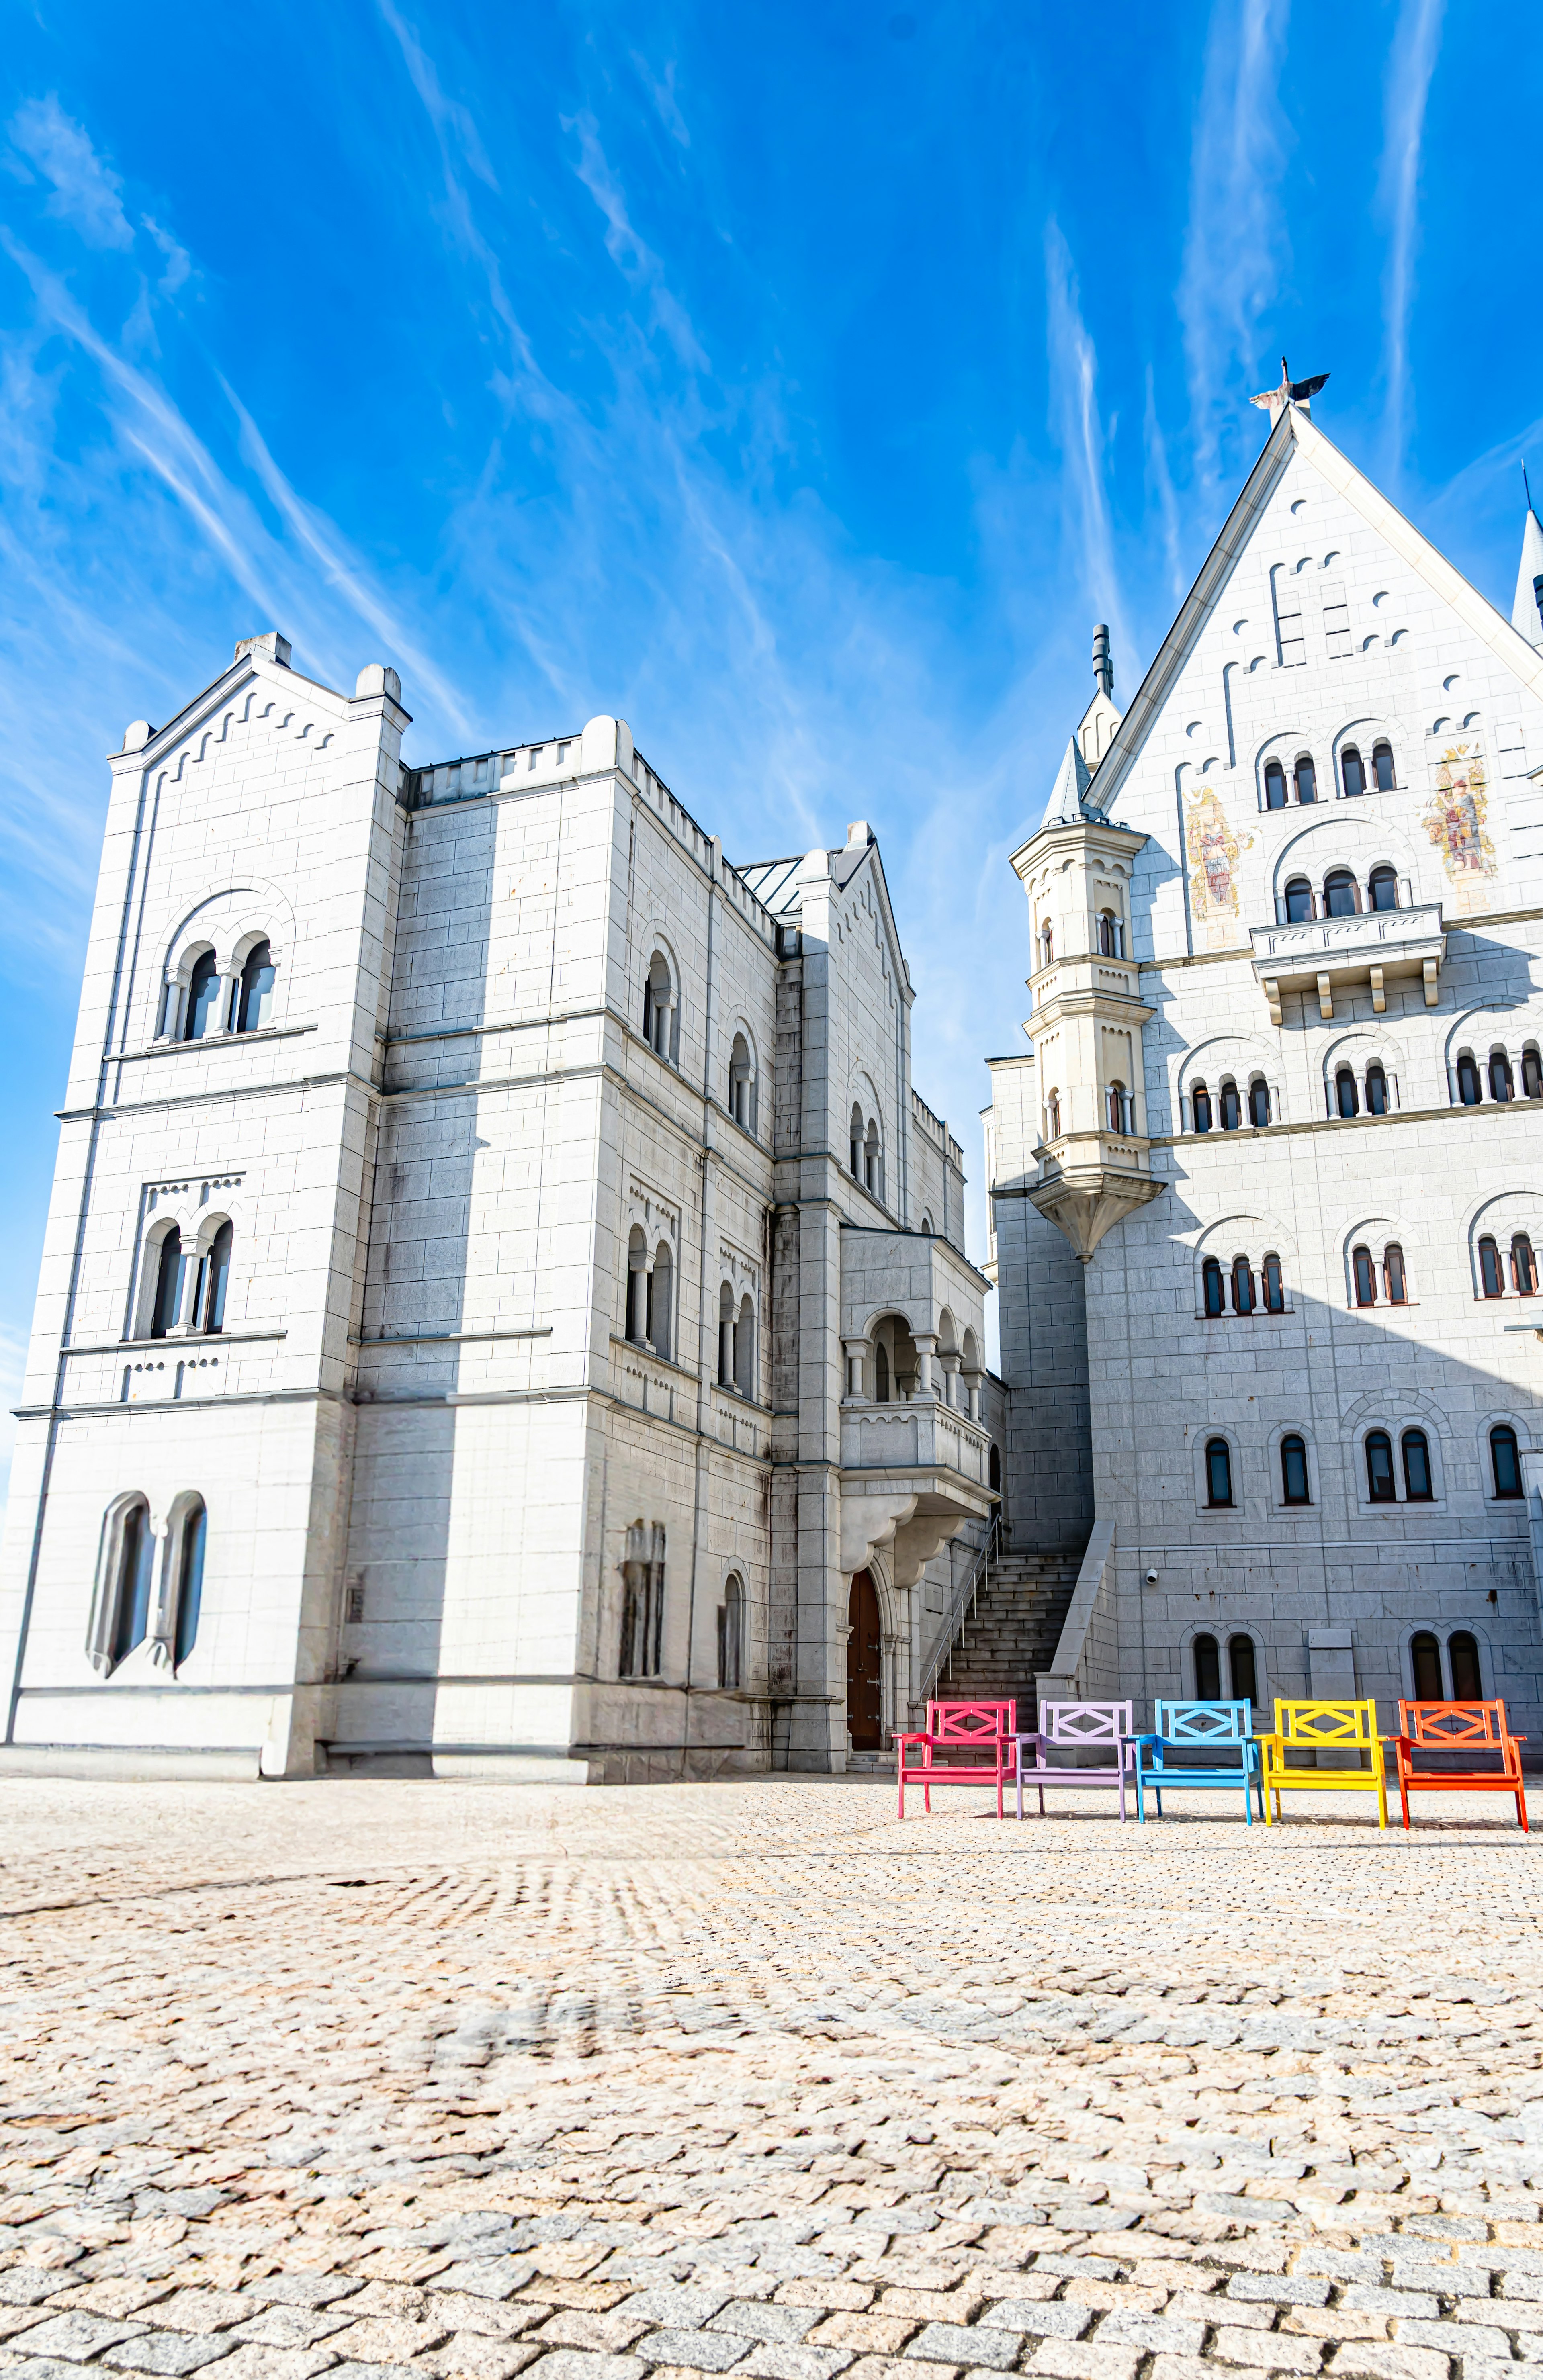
<point>254,1006</point>
<point>1052,1116</point>
<point>1377,1088</point>
<point>726,1336</point>
<point>1274,785</point>
<point>1294,1471</point>
<point>1415,1446</point>
<point>1231,1107</point>
<point>993,1469</point>
<point>927,1227</point>
<point>659,1007</point>
<point>636,1286</point>
<point>1111,935</point>
<point>873,1161</point>
<point>1499,1075</point>
<point>1490,1284</point>
<point>1353,770</point>
<point>881,1373</point>
<point>1241,1661</point>
<point>1382,886</point>
<point>1274,1287</point>
<point>855,1134</point>
<point>1242,1286</point>
<point>1523,1266</point>
<point>1365,1274</point>
<point>1341,896</point>
<point>1394,1278</point>
<point>1208,1669</point>
<point>1118,1107</point>
<point>1202,1108</point>
<point>1219,1472</point>
<point>745,1348</point>
<point>742,1085</point>
<point>1211,1275</point>
<point>209,1297</point>
<point>1505,1460</point>
<point>1306,780</point>
<point>730,1636</point>
<point>202,1014</point>
<point>167,1312</point>
<point>1424,1660</point>
<point>662,1292</point>
<point>189,1580</point>
<point>642,1602</point>
<point>1383,767</point>
<point>1259,1101</point>
<point>1379,1467</point>
<point>1532,1072</point>
<point>1467,1080</point>
<point>131,1587</point>
<point>1047,943</point>
<point>1345,1095</point>
<point>1299,902</point>
<point>1463,1658</point>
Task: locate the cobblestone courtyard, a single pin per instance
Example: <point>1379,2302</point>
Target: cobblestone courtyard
<point>361,2077</point>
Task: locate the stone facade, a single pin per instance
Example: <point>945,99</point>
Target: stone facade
<point>592,1305</point>
<point>1286,921</point>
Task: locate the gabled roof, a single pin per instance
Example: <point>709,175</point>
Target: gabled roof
<point>1294,428</point>
<point>778,885</point>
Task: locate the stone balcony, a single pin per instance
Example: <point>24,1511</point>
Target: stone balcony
<point>912,1473</point>
<point>1328,953</point>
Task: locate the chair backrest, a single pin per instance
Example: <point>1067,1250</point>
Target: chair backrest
<point>1446,1727</point>
<point>1204,1722</point>
<point>1323,1725</point>
<point>1080,1724</point>
<point>972,1722</point>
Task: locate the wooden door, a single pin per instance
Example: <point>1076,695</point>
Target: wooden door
<point>864,1707</point>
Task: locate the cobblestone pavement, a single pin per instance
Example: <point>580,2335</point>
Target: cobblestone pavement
<point>372,2079</point>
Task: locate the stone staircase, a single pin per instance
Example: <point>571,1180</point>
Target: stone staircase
<point>1011,1636</point>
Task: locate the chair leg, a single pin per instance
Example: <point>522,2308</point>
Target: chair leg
<point>1522,1811</point>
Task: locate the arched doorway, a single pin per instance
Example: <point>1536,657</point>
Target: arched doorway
<point>864,1704</point>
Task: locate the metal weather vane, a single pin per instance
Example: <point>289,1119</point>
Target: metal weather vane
<point>1291,392</point>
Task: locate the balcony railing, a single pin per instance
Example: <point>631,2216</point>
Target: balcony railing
<point>1325,953</point>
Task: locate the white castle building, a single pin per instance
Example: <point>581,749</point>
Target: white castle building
<point>1268,1183</point>
<point>504,1306</point>
<point>503,1303</point>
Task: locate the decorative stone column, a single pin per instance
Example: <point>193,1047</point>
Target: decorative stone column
<point>972,1390</point>
<point>857,1370</point>
<point>951,1367</point>
<point>926,1344</point>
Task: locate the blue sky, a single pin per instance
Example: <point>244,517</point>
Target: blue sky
<point>801,382</point>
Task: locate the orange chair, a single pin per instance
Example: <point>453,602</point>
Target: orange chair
<point>1468,1728</point>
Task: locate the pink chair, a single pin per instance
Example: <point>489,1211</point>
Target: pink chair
<point>959,1729</point>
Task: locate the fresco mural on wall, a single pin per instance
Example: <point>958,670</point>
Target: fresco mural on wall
<point>1213,851</point>
<point>1454,820</point>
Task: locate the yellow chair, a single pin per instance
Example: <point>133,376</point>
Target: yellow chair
<point>1318,1727</point>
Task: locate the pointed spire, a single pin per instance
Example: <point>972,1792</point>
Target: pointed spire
<point>1526,612</point>
<point>1064,807</point>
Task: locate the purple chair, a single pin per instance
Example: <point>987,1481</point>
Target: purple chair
<point>1077,1726</point>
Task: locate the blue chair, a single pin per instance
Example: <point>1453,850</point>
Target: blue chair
<point>1224,1729</point>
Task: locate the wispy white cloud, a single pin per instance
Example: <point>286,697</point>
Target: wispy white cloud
<point>461,151</point>
<point>630,254</point>
<point>1235,245</point>
<point>86,194</point>
<point>1160,482</point>
<point>1076,424</point>
<point>660,89</point>
<point>328,549</point>
<point>1411,64</point>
